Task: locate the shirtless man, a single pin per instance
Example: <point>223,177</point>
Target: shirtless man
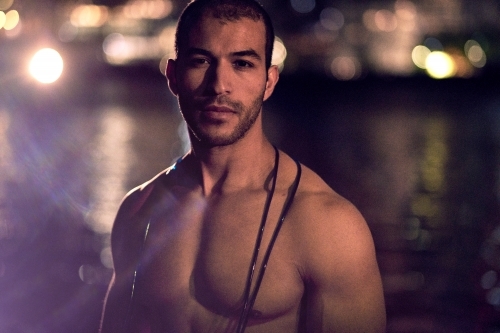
<point>187,249</point>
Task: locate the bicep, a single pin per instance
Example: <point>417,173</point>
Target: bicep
<point>344,285</point>
<point>358,307</point>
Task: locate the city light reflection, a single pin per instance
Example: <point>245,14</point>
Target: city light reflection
<point>435,157</point>
<point>113,155</point>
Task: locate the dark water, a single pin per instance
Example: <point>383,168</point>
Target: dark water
<point>419,158</point>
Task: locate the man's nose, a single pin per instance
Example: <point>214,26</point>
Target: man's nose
<point>220,78</point>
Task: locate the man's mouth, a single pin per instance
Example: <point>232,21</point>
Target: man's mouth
<point>219,109</point>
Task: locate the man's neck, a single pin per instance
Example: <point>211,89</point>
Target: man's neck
<point>243,165</point>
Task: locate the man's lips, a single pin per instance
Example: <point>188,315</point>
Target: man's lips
<point>216,108</point>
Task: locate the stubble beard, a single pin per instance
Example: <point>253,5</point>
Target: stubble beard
<point>207,138</point>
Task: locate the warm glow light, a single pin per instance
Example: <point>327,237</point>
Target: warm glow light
<point>116,48</point>
<point>46,66</point>
<point>148,9</point>
<point>89,16</point>
<point>440,65</point>
<point>405,9</point>
<point>279,53</point>
<point>120,50</point>
<point>419,55</point>
<point>11,20</point>
<point>2,19</point>
<point>385,20</point>
<point>406,14</point>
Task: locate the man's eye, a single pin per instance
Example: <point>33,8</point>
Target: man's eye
<point>242,63</point>
<point>198,61</point>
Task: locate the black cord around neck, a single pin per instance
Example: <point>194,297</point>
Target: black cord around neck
<point>250,300</point>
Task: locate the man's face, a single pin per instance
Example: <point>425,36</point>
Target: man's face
<point>221,80</point>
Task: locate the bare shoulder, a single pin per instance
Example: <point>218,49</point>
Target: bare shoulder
<point>328,227</point>
<point>336,259</point>
<point>317,205</point>
<point>132,219</point>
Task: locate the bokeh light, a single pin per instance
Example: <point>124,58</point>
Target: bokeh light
<point>67,32</point>
<point>331,19</point>
<point>120,49</point>
<point>46,66</point>
<point>279,53</point>
<point>6,4</point>
<point>475,53</point>
<point>433,44</point>
<point>89,16</point>
<point>385,20</point>
<point>489,279</point>
<point>3,18</point>
<point>148,9</point>
<point>419,55</point>
<point>440,65</point>
<point>303,6</point>
<point>345,68</point>
<point>11,20</point>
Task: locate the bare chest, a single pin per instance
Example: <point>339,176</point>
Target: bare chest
<point>198,257</point>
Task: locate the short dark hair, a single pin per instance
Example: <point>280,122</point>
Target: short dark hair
<point>230,10</point>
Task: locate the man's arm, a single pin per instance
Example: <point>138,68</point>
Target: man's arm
<point>126,242</point>
<point>342,276</point>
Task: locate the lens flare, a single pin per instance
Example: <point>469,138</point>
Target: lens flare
<point>46,66</point>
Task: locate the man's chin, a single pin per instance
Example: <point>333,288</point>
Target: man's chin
<point>211,140</point>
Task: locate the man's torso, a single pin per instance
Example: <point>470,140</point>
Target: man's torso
<point>196,259</point>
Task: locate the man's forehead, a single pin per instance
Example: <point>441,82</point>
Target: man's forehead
<point>239,31</point>
<point>210,18</point>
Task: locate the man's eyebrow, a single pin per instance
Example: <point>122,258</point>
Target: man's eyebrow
<point>244,53</point>
<point>196,50</point>
<point>247,53</point>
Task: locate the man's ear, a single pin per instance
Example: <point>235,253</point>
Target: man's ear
<point>171,77</point>
<point>273,76</point>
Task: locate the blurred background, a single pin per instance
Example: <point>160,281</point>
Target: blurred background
<point>396,104</point>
